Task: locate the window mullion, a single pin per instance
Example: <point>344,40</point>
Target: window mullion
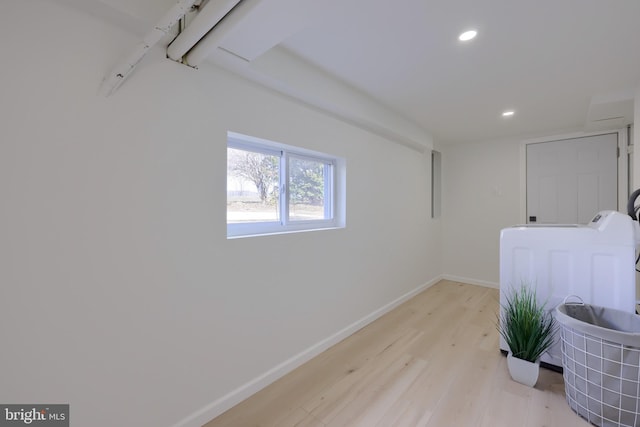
<point>328,193</point>
<point>284,188</point>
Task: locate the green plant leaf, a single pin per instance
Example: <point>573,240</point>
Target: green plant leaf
<point>527,327</point>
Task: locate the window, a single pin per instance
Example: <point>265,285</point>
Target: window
<point>274,188</point>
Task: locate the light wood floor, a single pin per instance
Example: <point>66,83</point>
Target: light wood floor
<point>433,362</point>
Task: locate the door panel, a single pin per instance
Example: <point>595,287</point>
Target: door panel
<point>570,180</point>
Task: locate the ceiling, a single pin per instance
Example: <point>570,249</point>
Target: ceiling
<point>561,65</point>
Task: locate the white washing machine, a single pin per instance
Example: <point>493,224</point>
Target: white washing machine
<point>595,262</point>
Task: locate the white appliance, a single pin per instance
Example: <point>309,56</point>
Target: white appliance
<point>595,262</point>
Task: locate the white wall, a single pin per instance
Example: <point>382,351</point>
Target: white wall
<point>120,293</point>
<point>636,142</point>
<point>481,195</point>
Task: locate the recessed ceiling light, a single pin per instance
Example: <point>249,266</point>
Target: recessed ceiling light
<point>508,113</point>
<point>467,35</point>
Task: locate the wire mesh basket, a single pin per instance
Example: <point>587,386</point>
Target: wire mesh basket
<point>601,363</point>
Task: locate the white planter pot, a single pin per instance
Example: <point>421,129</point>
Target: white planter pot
<point>523,371</point>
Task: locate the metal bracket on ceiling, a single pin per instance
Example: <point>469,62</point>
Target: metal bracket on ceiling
<point>118,75</point>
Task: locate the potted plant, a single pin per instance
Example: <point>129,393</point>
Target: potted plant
<point>529,330</point>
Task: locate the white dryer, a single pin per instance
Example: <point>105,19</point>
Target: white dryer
<point>595,262</point>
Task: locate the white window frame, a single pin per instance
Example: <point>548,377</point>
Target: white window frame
<point>333,217</point>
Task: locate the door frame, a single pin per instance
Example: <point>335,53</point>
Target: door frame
<point>623,165</point>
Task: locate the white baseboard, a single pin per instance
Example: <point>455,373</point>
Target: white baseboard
<point>470,281</point>
<point>217,407</point>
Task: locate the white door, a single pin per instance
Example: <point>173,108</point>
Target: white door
<point>570,180</point>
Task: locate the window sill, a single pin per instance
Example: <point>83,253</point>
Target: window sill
<point>275,233</point>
